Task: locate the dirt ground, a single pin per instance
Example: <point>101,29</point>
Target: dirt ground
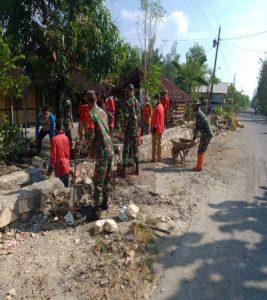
<point>43,258</point>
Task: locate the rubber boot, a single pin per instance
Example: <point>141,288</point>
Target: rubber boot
<point>200,160</point>
<point>104,205</point>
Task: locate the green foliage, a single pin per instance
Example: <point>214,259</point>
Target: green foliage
<point>152,81</point>
<point>12,144</point>
<point>168,68</point>
<point>11,77</point>
<point>218,111</point>
<point>260,97</point>
<point>130,60</point>
<point>62,37</point>
<point>193,72</point>
<point>236,101</point>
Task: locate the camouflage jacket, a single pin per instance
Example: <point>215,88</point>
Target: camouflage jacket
<point>132,116</point>
<point>99,138</point>
<point>202,125</point>
<point>66,111</point>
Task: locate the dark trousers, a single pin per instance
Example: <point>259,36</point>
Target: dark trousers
<point>111,130</point>
<point>41,136</point>
<point>65,180</point>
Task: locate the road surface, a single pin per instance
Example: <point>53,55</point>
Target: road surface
<point>224,253</point>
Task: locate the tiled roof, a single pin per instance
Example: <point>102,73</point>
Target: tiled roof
<point>174,92</point>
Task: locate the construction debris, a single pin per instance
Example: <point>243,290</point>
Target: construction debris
<point>132,211</point>
<point>69,219</point>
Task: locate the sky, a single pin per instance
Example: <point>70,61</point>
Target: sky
<point>193,21</point>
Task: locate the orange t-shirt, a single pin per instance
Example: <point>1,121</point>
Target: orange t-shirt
<point>147,114</point>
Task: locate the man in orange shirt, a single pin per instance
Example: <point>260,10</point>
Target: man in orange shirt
<point>147,115</point>
<point>165,101</point>
<point>60,155</point>
<point>157,129</point>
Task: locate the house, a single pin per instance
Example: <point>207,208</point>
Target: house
<point>178,98</point>
<point>218,95</point>
<point>14,108</point>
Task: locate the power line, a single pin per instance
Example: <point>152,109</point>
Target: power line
<point>202,18</point>
<point>213,10</point>
<point>178,40</point>
<point>225,63</point>
<point>245,36</point>
<point>240,62</point>
<point>246,49</point>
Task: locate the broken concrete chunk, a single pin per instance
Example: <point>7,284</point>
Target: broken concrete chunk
<point>33,197</point>
<point>7,217</point>
<point>14,180</point>
<point>111,226</point>
<point>107,225</point>
<point>132,211</point>
<point>99,225</point>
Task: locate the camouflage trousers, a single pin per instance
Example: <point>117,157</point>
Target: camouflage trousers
<point>130,148</point>
<point>67,130</point>
<point>204,142</point>
<point>101,179</point>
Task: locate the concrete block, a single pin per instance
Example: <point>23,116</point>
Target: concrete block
<point>33,197</point>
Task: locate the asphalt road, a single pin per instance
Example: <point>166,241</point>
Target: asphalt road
<point>224,253</point>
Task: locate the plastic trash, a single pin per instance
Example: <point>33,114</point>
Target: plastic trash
<point>69,219</point>
<point>122,214</point>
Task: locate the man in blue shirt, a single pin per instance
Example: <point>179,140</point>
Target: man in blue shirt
<point>46,120</point>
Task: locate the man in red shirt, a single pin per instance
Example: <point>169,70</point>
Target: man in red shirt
<point>157,129</point>
<point>60,155</point>
<point>110,108</point>
<point>165,101</point>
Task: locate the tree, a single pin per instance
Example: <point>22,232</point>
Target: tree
<point>131,59</point>
<point>168,68</point>
<point>152,14</point>
<point>260,97</point>
<point>11,75</point>
<point>152,82</point>
<point>196,54</point>
<point>236,100</point>
<point>62,37</point>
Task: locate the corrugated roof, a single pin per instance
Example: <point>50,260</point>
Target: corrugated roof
<point>219,88</point>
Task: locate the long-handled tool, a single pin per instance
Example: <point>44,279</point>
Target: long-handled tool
<point>74,174</point>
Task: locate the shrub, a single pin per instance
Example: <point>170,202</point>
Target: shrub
<point>13,146</point>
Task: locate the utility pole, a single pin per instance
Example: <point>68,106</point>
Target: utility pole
<point>215,44</point>
<point>234,79</point>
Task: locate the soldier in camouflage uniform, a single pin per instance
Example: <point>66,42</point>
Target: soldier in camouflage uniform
<point>132,130</point>
<point>101,146</point>
<point>66,117</point>
<point>202,125</point>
